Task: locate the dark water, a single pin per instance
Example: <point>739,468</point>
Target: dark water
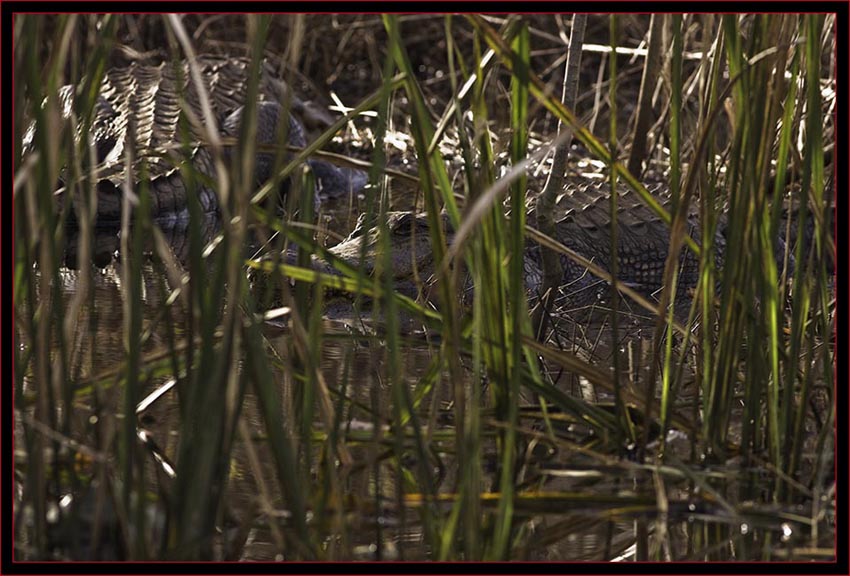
<point>354,363</point>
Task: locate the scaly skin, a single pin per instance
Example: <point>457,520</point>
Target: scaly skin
<point>139,109</point>
<point>582,225</point>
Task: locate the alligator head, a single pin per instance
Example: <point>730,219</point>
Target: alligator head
<point>411,256</point>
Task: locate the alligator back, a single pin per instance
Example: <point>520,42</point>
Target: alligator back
<point>139,106</point>
<point>582,217</point>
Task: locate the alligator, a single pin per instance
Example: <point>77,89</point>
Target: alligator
<point>139,106</point>
<point>582,225</point>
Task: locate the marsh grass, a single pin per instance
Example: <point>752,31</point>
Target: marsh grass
<point>753,346</point>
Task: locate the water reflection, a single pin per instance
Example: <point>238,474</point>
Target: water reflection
<point>353,363</point>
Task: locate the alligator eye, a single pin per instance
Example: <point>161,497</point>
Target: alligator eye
<point>404,225</point>
<point>408,224</point>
